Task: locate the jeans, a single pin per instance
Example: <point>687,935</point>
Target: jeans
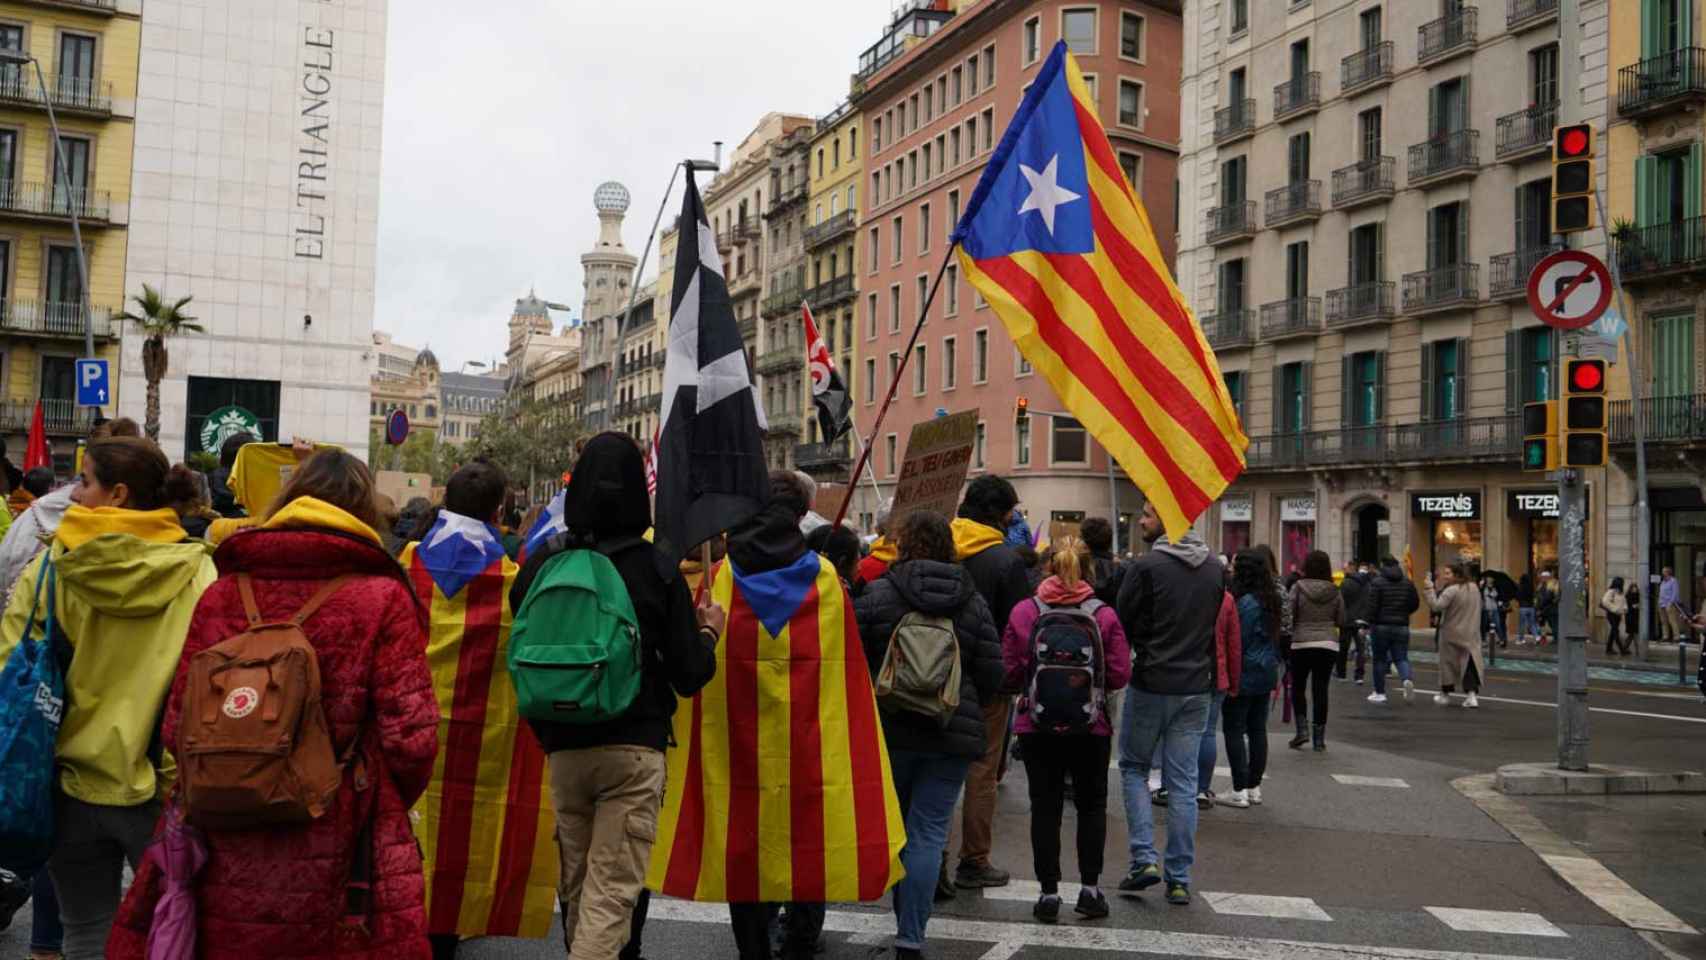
<point>1614,630</point>
<point>1049,759</point>
<point>1247,739</point>
<point>927,785</point>
<point>1352,638</point>
<point>1391,645</point>
<point>1206,753</point>
<point>95,843</point>
<point>46,933</point>
<point>1311,674</point>
<point>1176,722</point>
<point>1525,624</point>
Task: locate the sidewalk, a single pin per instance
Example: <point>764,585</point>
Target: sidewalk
<point>1661,657</point>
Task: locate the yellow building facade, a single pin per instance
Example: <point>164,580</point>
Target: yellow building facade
<point>832,286</point>
<point>88,53</point>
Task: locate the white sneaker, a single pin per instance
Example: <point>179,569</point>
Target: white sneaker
<point>1237,798</point>
<point>1377,698</point>
<point>1442,699</point>
<point>1409,688</point>
<point>1256,795</point>
<point>1471,702</point>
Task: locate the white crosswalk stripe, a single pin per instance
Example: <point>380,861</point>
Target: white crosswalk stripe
<point>1352,780</point>
<point>1027,891</point>
<point>1496,921</point>
<point>1256,905</point>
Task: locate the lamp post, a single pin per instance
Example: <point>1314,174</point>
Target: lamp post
<point>21,58</point>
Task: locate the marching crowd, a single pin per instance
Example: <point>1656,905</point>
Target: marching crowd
<point>309,738</point>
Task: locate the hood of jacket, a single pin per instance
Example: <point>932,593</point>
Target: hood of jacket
<point>972,538</point>
<point>1190,550</point>
<point>307,539</point>
<point>1392,571</point>
<point>884,549</point>
<point>931,586</point>
<point>607,489</point>
<point>1057,594</point>
<point>770,540</point>
<point>125,563</point>
<point>310,512</point>
<point>1318,591</point>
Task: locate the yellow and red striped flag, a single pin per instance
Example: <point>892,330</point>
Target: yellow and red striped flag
<point>486,824</point>
<point>1058,243</point>
<point>779,786</point>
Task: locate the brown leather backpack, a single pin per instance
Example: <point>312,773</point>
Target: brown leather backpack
<point>254,748</point>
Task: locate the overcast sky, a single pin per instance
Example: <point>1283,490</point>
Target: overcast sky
<point>502,116</point>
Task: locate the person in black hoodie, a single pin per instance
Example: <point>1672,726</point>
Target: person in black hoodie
<point>1354,591</point>
<point>1390,601</point>
<point>1105,568</point>
<point>929,759</point>
<point>607,779</point>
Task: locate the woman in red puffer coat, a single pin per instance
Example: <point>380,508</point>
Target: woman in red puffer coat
<point>282,892</point>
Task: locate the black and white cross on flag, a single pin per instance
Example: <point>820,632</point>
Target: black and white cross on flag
<point>710,448</point>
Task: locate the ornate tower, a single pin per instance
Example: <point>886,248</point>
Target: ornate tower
<point>608,267</point>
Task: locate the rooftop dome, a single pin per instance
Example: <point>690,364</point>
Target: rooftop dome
<point>610,197</point>
<point>426,358</point>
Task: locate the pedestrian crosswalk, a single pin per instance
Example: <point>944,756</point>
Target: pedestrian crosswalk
<point>1353,780</point>
<point>1496,921</point>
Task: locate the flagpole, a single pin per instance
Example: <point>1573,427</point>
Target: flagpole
<point>869,473</point>
<point>905,357</point>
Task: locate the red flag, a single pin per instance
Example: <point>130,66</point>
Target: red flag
<point>36,452</point>
<point>829,393</point>
<point>652,466</point>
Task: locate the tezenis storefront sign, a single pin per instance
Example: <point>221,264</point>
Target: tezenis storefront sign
<point>1458,505</point>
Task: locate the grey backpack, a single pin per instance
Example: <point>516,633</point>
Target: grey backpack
<point>921,670</point>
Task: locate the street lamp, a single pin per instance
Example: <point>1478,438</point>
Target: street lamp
<point>21,58</point>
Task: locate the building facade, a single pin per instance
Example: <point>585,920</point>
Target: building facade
<point>415,390</point>
<point>608,278</point>
<point>833,292</point>
<point>781,365</point>
<point>88,55</point>
<point>936,93</point>
<point>639,367</point>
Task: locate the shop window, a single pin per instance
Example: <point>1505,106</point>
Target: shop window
<point>1068,443</point>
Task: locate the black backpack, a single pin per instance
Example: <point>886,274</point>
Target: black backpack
<point>1069,678</point>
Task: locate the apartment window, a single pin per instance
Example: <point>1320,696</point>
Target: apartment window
<point>819,162</point>
<point>1369,134</point>
<point>989,128</point>
<point>894,308</point>
<point>1369,22</point>
<point>1235,87</point>
<point>971,75</point>
<point>1237,385</point>
<point>852,142</point>
<point>1031,41</point>
<point>951,290</point>
<point>894,367</point>
<point>76,152</point>
<point>1291,398</point>
<point>1132,166</point>
<point>942,93</point>
<point>919,370</point>
<point>1021,366</point>
<point>989,65</point>
<point>895,228</point>
<point>77,64</point>
<point>876,248</point>
<point>955,85</point>
<point>1131,36</point>
<point>941,153</point>
<point>1448,107</point>
<point>1670,354</point>
<point>1543,74</point>
<point>912,169</point>
<point>1240,16</point>
<point>1230,290</point>
<point>950,361</point>
<point>980,357</point>
<point>1448,235</point>
<point>1232,179</point>
<point>1131,103</point>
<point>1067,441</point>
<point>1530,355</point>
<point>1297,270</point>
<point>870,380</point>
<point>1022,443</point>
<point>926,156</point>
<point>924,228</point>
<point>954,146</point>
<point>871,317</point>
<point>834,155</point>
<point>1297,158</point>
<point>912,113</point>
<point>852,204</point>
<point>888,445</point>
<point>876,134</point>
<point>971,137</point>
<point>1078,29</point>
<point>1534,214</point>
<point>64,284</point>
<point>953,210</point>
<point>929,104</point>
<point>1445,380</point>
<point>1364,397</point>
<point>1367,254</point>
<point>977,454</point>
<point>1090,87</point>
<point>923,285</point>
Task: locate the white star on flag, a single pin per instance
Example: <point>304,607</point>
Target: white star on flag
<point>457,525</point>
<point>1046,192</point>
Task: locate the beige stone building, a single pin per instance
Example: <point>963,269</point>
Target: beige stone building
<point>639,366</point>
<point>782,362</point>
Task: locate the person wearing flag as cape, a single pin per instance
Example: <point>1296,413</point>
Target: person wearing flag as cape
<point>485,823</point>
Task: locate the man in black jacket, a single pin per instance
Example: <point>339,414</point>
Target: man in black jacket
<point>607,779</point>
<point>1105,568</point>
<point>1390,601</point>
<point>1354,591</point>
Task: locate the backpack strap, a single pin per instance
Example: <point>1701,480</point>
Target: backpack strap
<point>246,587</point>
<point>320,597</point>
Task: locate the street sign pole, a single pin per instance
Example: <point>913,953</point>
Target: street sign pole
<point>1572,626</point>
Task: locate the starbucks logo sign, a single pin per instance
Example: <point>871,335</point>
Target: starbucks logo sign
<point>225,423</point>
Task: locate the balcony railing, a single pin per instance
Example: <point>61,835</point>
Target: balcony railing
<point>788,298</point>
<point>787,196</point>
<point>749,282</point>
<point>1360,303</point>
<point>781,360</point>
<point>1230,328</point>
<point>1231,221</point>
<point>1521,14</point>
<point>1663,419</point>
<point>40,200</point>
<point>747,328</point>
<point>52,319</point>
<point>62,418</point>
<point>1442,287</point>
<point>1451,34</point>
<point>1366,67</point>
<point>1299,316</point>
<point>1468,439</point>
<point>832,291</point>
<point>19,85</point>
<point>1659,83</point>
<point>1662,249</point>
<point>1297,95</point>
<point>1293,202</point>
<point>1525,131</point>
<point>822,456</point>
<point>1509,272</point>
<point>1445,154</point>
<point>1365,181</point>
<point>1238,120</point>
<point>830,230</point>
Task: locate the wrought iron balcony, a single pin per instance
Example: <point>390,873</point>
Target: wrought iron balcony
<point>783,300</point>
<point>1525,132</point>
<point>822,456</point>
<point>749,282</point>
<point>1366,68</point>
<point>1663,250</point>
<point>1235,122</point>
<point>781,360</point>
<point>1297,317</point>
<point>1523,14</point>
<point>1297,96</point>
<point>1365,182</point>
<point>1442,288</point>
<point>787,197</point>
<point>1509,271</point>
<point>1663,419</point>
<point>53,319</point>
<point>832,291</point>
<point>1446,37</point>
<point>19,87</point>
<point>1445,156</point>
<point>1669,81</point>
<point>830,230</point>
<point>748,329</point>
<point>1233,221</point>
<point>1479,439</point>
<point>1230,328</point>
<point>1360,304</point>
<point>38,201</point>
<point>1293,203</point>
<point>61,418</point>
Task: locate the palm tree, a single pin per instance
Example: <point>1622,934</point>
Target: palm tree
<point>158,320</point>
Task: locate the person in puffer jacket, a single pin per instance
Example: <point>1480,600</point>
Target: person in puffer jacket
<point>929,760</point>
<point>1317,614</point>
<point>1391,600</point>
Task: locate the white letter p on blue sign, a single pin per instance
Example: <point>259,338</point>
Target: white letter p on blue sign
<point>92,383</point>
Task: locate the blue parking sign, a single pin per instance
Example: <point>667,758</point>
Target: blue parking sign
<point>93,385</point>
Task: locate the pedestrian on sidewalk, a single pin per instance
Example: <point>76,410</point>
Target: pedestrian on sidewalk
<point>1354,591</point>
<point>1062,646</point>
<point>1169,605</point>
<point>1259,604</point>
<point>1673,616</point>
<point>1546,608</point>
<point>1615,606</point>
<point>929,757</point>
<point>1632,619</point>
<point>1317,616</point>
<point>1391,600</point>
<point>1458,604</point>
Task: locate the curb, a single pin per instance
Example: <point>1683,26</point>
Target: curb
<point>1546,780</point>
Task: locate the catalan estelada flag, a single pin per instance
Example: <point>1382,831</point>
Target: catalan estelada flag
<point>779,785</point>
<point>1058,243</point>
<point>486,824</point>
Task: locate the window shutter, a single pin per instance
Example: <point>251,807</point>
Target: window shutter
<point>1691,181</point>
<point>1279,401</point>
<point>1513,382</point>
<point>1433,238</point>
<point>1347,392</point>
<point>1522,217</point>
<point>1647,211</point>
<point>1306,378</point>
<point>1461,120</point>
<point>1433,110</point>
<point>1649,28</point>
<point>1380,386</point>
<point>1462,377</point>
<point>1462,232</point>
<point>1380,251</point>
<point>1427,381</point>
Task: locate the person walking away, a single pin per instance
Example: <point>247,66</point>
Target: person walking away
<point>925,597</point>
<point>125,585</point>
<point>1391,600</point>
<point>1546,608</point>
<point>1631,620</point>
<point>1353,590</point>
<point>1065,649</point>
<point>1105,569</point>
<point>1673,616</point>
<point>1004,581</point>
<point>1615,606</point>
<point>485,881</point>
<point>1492,612</point>
<point>1527,628</point>
<point>1169,605</point>
<point>1317,618</point>
<point>1259,606</point>
<point>607,772</point>
<point>1459,607</point>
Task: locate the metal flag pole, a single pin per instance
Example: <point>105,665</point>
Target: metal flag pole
<point>870,474</point>
<point>1113,500</point>
<point>906,355</point>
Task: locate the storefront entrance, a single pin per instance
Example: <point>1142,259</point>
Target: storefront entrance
<point>1235,514</point>
<point>1451,521</point>
<point>1297,532</point>
<point>1532,536</point>
<point>1679,542</point>
<point>1371,533</point>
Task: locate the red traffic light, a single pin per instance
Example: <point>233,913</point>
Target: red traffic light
<point>1574,141</point>
<point>1587,376</point>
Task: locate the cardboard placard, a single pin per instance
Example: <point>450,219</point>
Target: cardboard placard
<point>938,456</point>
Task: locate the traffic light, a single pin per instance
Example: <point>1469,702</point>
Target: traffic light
<point>1021,409</point>
<point>1572,178</point>
<point>1584,413</point>
<point>1540,436</point>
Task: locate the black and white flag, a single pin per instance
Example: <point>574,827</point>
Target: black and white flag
<point>710,449</point>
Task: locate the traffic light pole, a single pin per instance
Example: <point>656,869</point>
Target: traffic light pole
<point>1571,629</point>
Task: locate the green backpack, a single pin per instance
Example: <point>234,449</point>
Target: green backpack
<point>580,664</point>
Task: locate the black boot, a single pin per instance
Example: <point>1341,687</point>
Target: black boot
<point>1320,738</point>
<point>1302,737</point>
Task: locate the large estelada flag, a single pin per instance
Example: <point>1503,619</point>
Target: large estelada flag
<point>486,825</point>
<point>779,785</point>
<point>829,392</point>
<point>1056,240</point>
